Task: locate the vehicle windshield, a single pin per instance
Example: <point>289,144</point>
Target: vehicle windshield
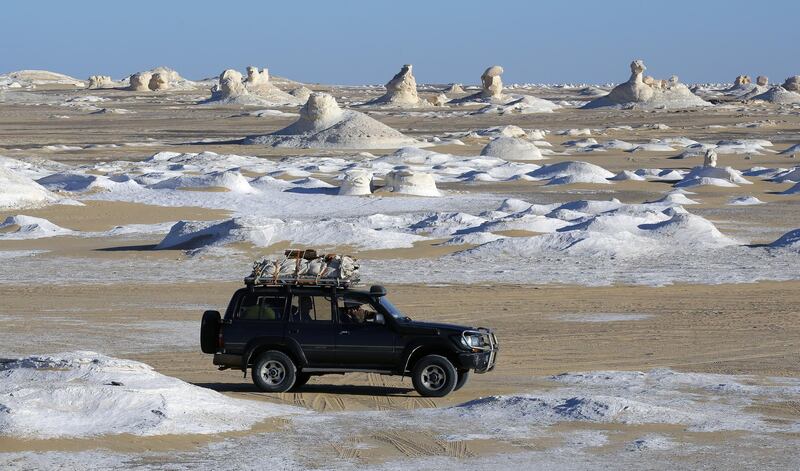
<point>392,309</point>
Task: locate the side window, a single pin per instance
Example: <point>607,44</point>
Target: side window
<point>311,309</point>
<point>265,308</point>
<point>355,311</point>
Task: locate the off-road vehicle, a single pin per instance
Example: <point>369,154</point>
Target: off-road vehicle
<point>287,329</point>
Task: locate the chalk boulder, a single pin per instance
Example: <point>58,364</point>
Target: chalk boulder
<point>357,182</point>
<point>512,148</point>
<point>792,83</point>
<point>762,80</point>
<point>140,82</point>
<point>454,89</point>
<point>322,124</point>
<point>439,100</point>
<point>492,83</point>
<point>301,93</point>
<point>100,81</point>
<point>710,159</point>
<point>649,94</point>
<point>158,81</point>
<point>742,80</point>
<point>401,91</point>
<point>408,182</point>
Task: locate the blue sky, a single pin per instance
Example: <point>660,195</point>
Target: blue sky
<point>354,42</point>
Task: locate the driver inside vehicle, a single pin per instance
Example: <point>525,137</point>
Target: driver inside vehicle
<point>355,314</point>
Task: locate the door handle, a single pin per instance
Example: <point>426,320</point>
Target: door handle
<point>344,332</point>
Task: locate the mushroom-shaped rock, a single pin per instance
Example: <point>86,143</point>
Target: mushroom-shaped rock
<point>408,182</point>
<point>512,148</point>
<point>710,159</point>
<point>651,94</point>
<point>140,82</point>
<point>491,82</point>
<point>100,81</point>
<point>792,83</point>
<point>323,124</point>
<point>230,85</point>
<point>158,81</point>
<point>356,182</point>
<point>762,80</point>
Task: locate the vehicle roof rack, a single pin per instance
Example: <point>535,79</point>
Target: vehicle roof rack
<point>305,267</point>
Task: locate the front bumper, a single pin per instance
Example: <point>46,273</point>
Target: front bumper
<point>481,359</point>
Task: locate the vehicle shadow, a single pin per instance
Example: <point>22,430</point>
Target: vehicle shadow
<point>340,389</point>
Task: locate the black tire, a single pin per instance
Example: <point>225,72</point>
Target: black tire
<point>434,376</point>
<point>300,380</point>
<point>274,371</point>
<point>209,331</point>
<point>463,376</point>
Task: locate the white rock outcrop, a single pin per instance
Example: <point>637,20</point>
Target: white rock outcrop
<point>18,191</point>
<point>158,81</point>
<point>653,94</point>
<point>408,182</point>
<point>762,81</point>
<point>356,182</point>
<point>301,93</point>
<point>256,89</point>
<point>792,83</point>
<point>140,82</point>
<point>512,148</point>
<point>778,95</point>
<point>710,159</point>
<point>322,124</point>
<point>492,83</point>
<point>100,81</point>
<point>454,89</point>
<point>401,91</point>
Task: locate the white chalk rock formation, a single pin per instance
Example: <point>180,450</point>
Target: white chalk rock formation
<point>259,84</point>
<point>710,159</point>
<point>742,80</point>
<point>140,82</point>
<point>778,95</point>
<point>658,94</point>
<point>255,90</point>
<point>439,100</point>
<point>492,83</point>
<point>408,182</point>
<point>762,81</point>
<point>158,81</point>
<point>454,89</point>
<point>512,148</point>
<point>356,182</point>
<point>322,124</point>
<point>100,81</point>
<point>301,93</point>
<point>401,90</point>
<point>792,83</point>
<point>19,191</point>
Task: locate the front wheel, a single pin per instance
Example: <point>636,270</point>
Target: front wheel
<point>434,376</point>
<point>274,371</point>
<point>463,376</point>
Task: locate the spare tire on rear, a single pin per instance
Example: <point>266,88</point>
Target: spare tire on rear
<point>209,331</point>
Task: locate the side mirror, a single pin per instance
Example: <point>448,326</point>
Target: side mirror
<point>379,319</point>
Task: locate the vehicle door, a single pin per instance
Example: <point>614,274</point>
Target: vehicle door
<point>364,338</point>
<point>312,326</point>
<point>254,314</point>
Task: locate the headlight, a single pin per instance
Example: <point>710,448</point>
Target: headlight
<point>471,341</point>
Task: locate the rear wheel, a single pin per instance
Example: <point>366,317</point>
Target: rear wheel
<point>434,376</point>
<point>274,371</point>
<point>463,376</point>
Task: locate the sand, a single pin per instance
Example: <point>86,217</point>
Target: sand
<point>733,329</point>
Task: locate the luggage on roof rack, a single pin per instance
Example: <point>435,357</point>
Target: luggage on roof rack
<point>305,267</point>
